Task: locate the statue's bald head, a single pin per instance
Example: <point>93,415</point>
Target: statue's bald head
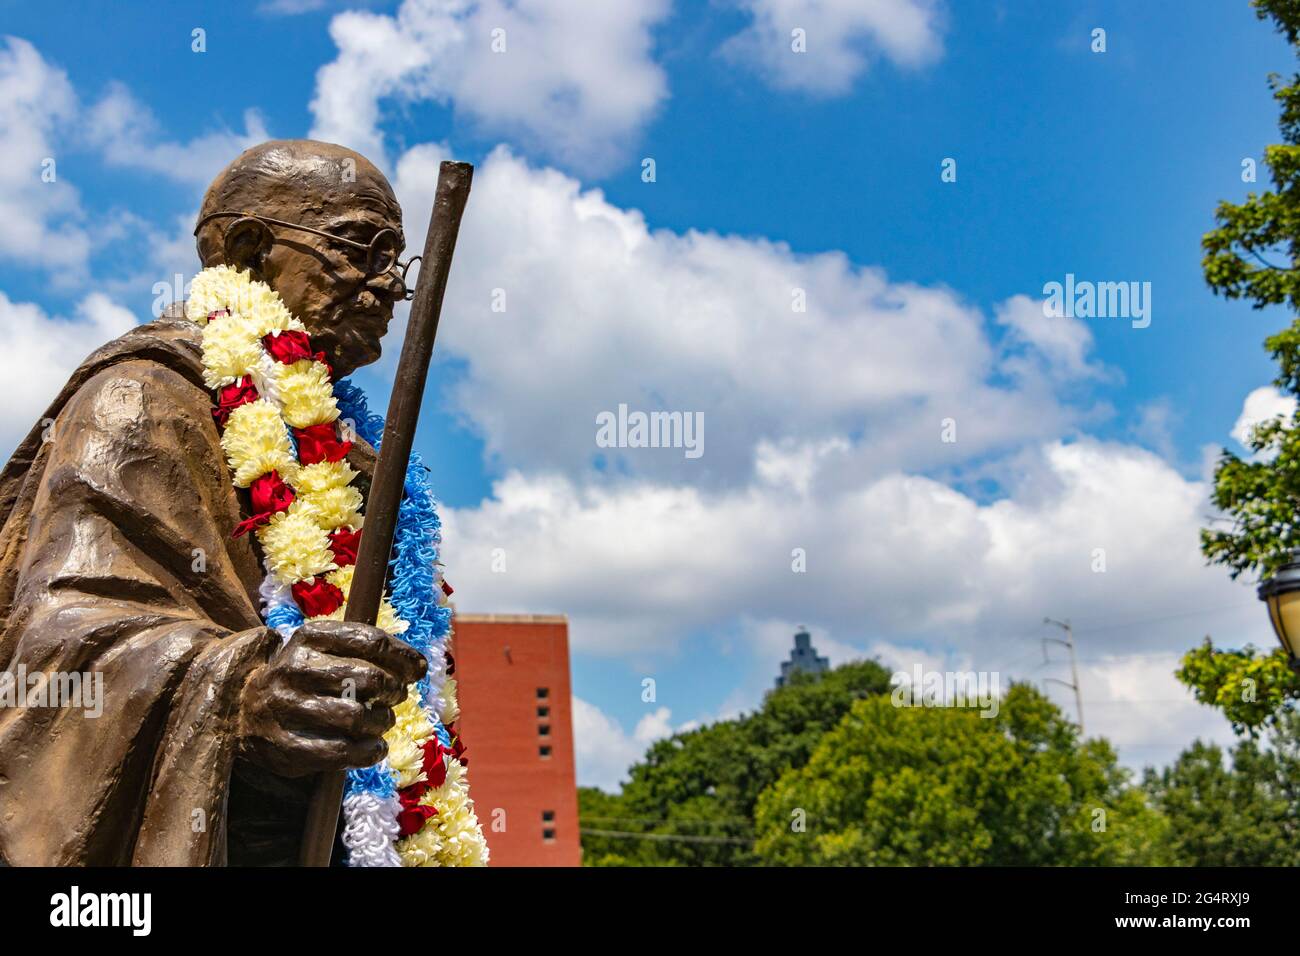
<point>324,187</point>
<point>298,180</point>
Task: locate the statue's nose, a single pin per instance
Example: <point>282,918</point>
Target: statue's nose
<point>387,286</point>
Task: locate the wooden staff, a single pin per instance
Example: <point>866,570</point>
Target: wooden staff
<point>390,471</point>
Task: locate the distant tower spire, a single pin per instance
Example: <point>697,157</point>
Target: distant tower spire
<point>803,658</point>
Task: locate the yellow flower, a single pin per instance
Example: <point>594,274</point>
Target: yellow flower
<point>342,579</point>
<point>306,394</point>
<point>232,344</point>
<point>453,837</point>
<point>405,738</point>
<point>255,442</point>
<point>295,548</point>
<point>266,313</point>
<point>322,476</point>
<point>212,290</point>
<point>450,704</point>
<point>388,619</point>
<point>231,350</point>
<point>331,508</point>
<point>222,288</point>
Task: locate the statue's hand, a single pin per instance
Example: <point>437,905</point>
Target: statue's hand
<point>326,698</point>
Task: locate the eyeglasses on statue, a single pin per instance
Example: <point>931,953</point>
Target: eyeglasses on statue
<point>382,251</point>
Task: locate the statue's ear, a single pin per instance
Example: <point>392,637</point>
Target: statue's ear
<point>246,241</point>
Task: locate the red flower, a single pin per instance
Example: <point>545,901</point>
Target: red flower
<point>410,796</point>
<point>319,597</point>
<point>293,346</point>
<point>232,396</point>
<point>412,820</point>
<point>447,589</point>
<point>320,443</point>
<point>288,347</point>
<point>344,543</point>
<point>434,767</point>
<point>413,814</point>
<point>451,663</point>
<point>269,495</point>
<point>458,747</point>
<point>216,313</point>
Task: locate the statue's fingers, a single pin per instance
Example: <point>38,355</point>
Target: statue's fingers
<point>316,753</point>
<point>331,676</point>
<point>336,716</point>
<point>368,643</point>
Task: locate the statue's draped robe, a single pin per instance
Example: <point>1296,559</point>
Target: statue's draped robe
<point>117,558</point>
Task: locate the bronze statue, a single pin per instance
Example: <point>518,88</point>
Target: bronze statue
<point>118,559</point>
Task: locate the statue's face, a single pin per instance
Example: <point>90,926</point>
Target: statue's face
<point>325,283</point>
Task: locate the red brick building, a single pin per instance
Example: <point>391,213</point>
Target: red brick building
<point>512,673</point>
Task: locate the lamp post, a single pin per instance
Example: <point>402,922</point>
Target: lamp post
<point>1281,593</point>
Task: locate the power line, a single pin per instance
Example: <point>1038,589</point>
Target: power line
<point>1166,617</point>
<point>1019,660</point>
<point>722,821</point>
<point>1074,666</point>
<point>1139,701</point>
<point>663,837</point>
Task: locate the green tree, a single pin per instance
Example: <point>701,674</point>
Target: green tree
<point>1242,813</point>
<point>910,785</point>
<point>601,811</point>
<point>1241,262</point>
<point>1251,687</point>
<point>695,792</point>
<point>1254,254</point>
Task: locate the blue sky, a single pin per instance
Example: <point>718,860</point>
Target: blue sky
<point>821,172</point>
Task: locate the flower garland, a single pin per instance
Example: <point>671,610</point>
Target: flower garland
<point>278,410</point>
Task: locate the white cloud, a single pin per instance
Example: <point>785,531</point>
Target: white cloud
<point>653,726</point>
<point>45,225</point>
<point>1060,344</point>
<point>575,81</point>
<point>1261,405</point>
<point>823,434</point>
<point>600,310</point>
<point>41,352</point>
<point>840,36</point>
<point>792,463</point>
<point>603,751</point>
<point>1136,703</point>
<point>898,557</point>
<point>42,219</point>
<point>127,133</point>
<point>1154,427</point>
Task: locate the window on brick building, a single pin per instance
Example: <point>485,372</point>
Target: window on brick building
<point>544,730</point>
<point>543,711</point>
<point>543,693</point>
<point>544,751</point>
<point>548,835</point>
<point>548,816</point>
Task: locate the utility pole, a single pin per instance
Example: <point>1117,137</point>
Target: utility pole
<point>1068,643</point>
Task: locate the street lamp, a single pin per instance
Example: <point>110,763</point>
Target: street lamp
<point>1281,593</point>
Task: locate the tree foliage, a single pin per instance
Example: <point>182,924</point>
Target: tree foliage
<point>1241,254</point>
<point>1251,687</point>
<point>1239,813</point>
<point>944,786</point>
<point>1238,264</point>
<point>703,784</point>
<point>601,811</point>
<point>1253,254</point>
